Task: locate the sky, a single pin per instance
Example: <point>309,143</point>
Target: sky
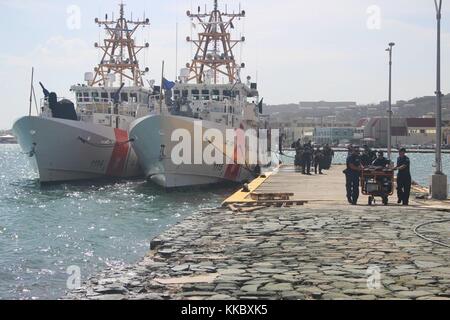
<point>297,50</point>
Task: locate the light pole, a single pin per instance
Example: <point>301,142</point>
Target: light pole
<point>389,129</point>
<point>439,185</point>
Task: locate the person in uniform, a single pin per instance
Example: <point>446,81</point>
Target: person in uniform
<point>318,161</point>
<point>328,154</point>
<point>366,159</point>
<point>404,180</point>
<point>307,158</point>
<point>381,161</point>
<point>299,158</point>
<point>353,173</point>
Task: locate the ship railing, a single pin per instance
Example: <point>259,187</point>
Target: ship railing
<point>210,98</point>
<point>124,109</point>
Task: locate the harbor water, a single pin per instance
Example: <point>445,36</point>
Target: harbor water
<point>46,230</point>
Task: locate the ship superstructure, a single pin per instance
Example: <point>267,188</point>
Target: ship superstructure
<point>208,93</point>
<point>89,141</point>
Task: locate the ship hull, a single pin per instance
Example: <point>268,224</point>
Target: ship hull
<point>153,144</point>
<point>65,151</point>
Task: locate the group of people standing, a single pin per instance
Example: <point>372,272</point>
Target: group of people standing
<point>307,157</point>
<point>357,161</point>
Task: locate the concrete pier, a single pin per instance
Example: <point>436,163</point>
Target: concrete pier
<point>324,249</point>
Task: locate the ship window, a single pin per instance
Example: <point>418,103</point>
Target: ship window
<point>185,93</point>
<point>176,94</point>
<point>227,94</point>
<point>79,97</point>
<point>215,95</point>
<point>104,95</point>
<point>124,96</point>
<point>86,96</point>
<point>95,96</point>
<point>134,97</point>
<point>195,94</point>
<point>237,94</point>
<point>205,94</point>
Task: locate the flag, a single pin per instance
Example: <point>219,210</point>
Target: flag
<point>168,85</point>
<point>260,106</point>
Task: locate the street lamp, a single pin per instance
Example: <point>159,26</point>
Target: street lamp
<point>389,130</point>
<point>439,185</point>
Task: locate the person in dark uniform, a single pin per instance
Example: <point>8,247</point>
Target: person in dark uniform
<point>404,180</point>
<point>328,155</point>
<point>353,173</point>
<point>307,158</point>
<point>299,158</point>
<point>366,160</point>
<point>381,161</point>
<point>318,161</point>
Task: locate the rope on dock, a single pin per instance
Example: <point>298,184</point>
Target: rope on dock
<point>416,231</point>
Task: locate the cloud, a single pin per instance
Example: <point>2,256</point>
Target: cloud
<point>59,63</point>
<point>27,4</point>
<point>56,53</point>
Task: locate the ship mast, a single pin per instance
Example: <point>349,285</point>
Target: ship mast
<point>120,51</point>
<point>214,46</point>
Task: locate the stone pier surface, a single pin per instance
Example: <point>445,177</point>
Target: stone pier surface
<point>322,250</point>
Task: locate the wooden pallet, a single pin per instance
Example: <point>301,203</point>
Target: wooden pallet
<point>264,204</point>
<point>281,196</point>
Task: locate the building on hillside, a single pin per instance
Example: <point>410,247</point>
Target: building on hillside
<point>334,136</point>
<point>405,131</point>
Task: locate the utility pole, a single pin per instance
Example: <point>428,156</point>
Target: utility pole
<point>389,129</point>
<point>439,187</point>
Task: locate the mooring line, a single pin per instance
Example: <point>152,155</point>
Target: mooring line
<point>106,145</point>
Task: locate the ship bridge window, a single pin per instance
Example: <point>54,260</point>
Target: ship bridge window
<point>227,94</point>
<point>79,97</point>
<point>195,94</point>
<point>86,96</point>
<point>134,97</point>
<point>104,95</point>
<point>215,95</point>
<point>205,94</point>
<point>176,94</point>
<point>124,96</point>
<point>185,93</point>
<point>94,96</point>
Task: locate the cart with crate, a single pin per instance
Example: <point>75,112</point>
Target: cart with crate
<point>377,182</point>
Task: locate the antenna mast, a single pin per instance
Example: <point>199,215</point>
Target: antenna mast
<point>120,51</point>
<point>214,46</point>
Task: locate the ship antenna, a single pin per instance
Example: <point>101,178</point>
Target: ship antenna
<point>120,51</point>
<point>214,46</point>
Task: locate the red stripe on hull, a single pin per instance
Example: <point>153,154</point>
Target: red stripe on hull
<point>119,155</point>
<point>232,172</point>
